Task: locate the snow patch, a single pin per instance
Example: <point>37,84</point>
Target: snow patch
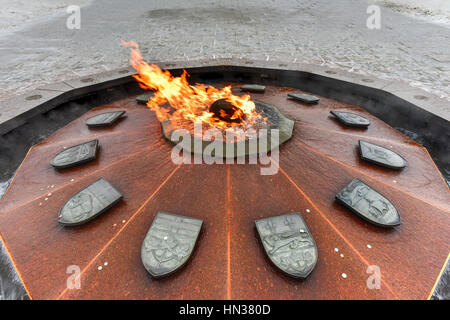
<point>435,11</point>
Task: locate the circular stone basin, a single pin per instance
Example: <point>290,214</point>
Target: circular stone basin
<point>229,261</point>
<point>277,130</point>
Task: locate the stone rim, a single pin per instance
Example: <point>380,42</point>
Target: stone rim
<point>286,127</point>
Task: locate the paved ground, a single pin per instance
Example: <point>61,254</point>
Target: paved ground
<point>332,33</point>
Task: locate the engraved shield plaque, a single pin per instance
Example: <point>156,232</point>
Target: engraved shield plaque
<point>288,244</point>
<point>143,98</point>
<point>305,98</point>
<point>76,155</point>
<point>89,203</point>
<point>351,119</point>
<point>104,119</point>
<point>382,156</point>
<point>369,204</point>
<point>253,88</point>
<point>169,243</point>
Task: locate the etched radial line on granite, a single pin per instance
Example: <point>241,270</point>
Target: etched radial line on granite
<point>334,228</point>
<point>355,135</point>
<point>80,178</point>
<point>106,134</point>
<point>125,225</point>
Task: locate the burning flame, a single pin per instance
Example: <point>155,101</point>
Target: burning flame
<point>186,101</point>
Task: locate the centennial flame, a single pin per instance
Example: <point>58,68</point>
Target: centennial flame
<point>175,99</point>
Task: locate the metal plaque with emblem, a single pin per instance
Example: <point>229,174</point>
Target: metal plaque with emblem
<point>351,119</point>
<point>288,243</point>
<point>253,88</point>
<point>104,119</point>
<point>89,203</point>
<point>382,156</point>
<point>143,98</point>
<point>303,97</point>
<point>76,155</point>
<point>169,243</point>
<point>369,204</point>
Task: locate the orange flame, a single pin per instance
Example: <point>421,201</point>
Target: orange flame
<point>186,101</point>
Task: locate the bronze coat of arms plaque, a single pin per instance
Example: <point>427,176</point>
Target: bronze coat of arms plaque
<point>369,204</point>
<point>143,98</point>
<point>253,88</point>
<point>303,97</point>
<point>351,119</point>
<point>104,119</point>
<point>89,203</point>
<point>76,155</point>
<point>169,243</point>
<point>382,156</point>
<point>288,244</point>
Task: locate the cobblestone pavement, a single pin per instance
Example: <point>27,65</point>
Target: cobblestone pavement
<point>331,33</point>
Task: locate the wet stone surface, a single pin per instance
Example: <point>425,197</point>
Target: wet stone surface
<point>314,165</point>
<point>272,115</point>
<point>169,243</point>
<point>351,119</point>
<point>89,203</point>
<point>288,243</point>
<point>369,204</point>
<point>76,155</point>
<point>382,156</point>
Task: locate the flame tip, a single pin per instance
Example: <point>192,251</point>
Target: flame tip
<point>186,101</point>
